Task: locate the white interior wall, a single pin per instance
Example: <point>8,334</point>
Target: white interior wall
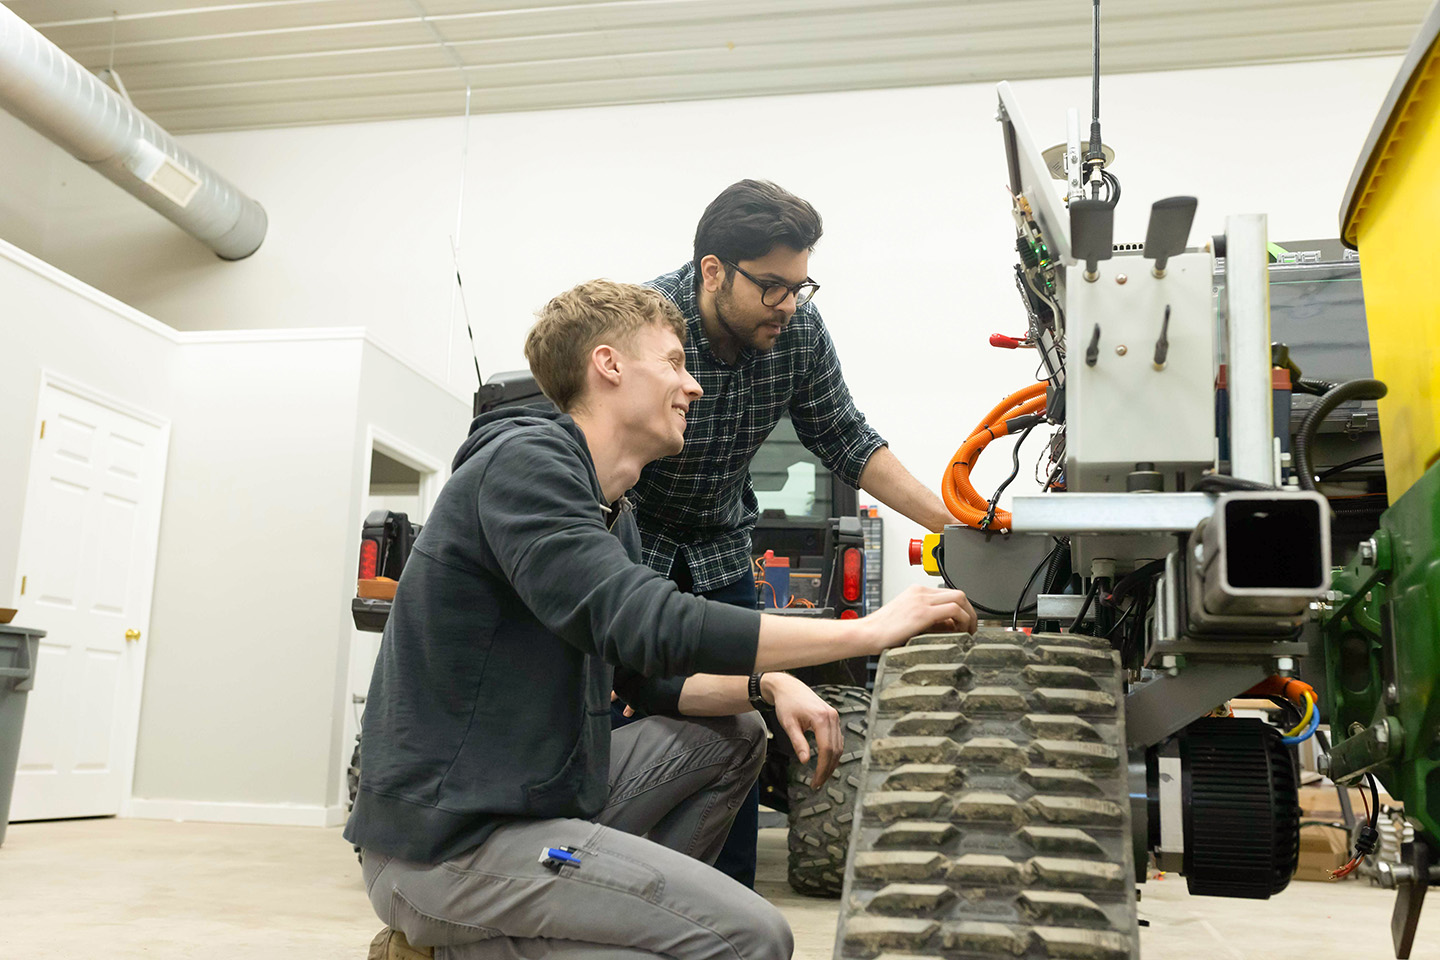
<point>261,538</point>
<point>250,631</point>
<point>238,704</point>
<point>916,261</point>
<point>26,173</point>
<point>98,342</point>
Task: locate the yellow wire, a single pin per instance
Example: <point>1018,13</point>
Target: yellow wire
<point>1305,720</point>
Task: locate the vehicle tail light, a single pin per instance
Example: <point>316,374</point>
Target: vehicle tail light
<point>369,559</point>
<point>850,570</point>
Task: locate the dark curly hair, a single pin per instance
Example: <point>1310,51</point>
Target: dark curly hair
<point>752,217</point>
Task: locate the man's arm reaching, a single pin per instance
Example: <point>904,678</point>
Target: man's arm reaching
<point>886,479</point>
<point>787,642</point>
<point>797,708</point>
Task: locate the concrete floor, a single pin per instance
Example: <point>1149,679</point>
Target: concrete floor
<point>122,889</point>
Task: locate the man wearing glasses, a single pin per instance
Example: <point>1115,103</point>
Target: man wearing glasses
<point>758,348</point>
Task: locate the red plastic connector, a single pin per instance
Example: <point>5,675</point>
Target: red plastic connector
<point>1008,343</point>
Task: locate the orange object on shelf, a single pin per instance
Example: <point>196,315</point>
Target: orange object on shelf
<point>380,588</point>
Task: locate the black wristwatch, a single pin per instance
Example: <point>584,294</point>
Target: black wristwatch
<point>757,699</point>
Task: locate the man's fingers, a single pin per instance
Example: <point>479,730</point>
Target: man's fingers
<point>830,743</point>
<point>796,733</point>
<point>837,749</point>
<point>629,711</point>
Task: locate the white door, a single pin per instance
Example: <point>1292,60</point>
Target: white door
<point>87,563</point>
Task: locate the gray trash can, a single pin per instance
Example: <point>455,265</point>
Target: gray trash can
<point>18,648</point>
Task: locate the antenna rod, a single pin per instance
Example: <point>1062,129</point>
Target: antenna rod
<point>1095,157</point>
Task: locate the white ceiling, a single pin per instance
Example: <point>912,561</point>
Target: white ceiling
<point>196,65</point>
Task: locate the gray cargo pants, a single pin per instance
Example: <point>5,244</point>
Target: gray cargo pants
<point>644,887</point>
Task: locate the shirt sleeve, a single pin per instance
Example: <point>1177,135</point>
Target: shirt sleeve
<point>542,526</point>
<point>825,417</point>
<point>650,696</point>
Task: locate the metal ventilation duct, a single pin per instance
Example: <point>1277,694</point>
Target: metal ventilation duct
<point>59,98</point>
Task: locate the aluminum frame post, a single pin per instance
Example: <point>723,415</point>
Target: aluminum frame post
<point>1247,293</point>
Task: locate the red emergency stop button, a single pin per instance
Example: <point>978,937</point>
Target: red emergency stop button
<point>917,552</point>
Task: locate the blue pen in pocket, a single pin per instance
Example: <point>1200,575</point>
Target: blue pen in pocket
<point>557,857</point>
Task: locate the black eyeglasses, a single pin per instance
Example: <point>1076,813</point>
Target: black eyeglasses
<point>774,294</point>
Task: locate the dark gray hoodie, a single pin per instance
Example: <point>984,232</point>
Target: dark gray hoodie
<point>522,606</point>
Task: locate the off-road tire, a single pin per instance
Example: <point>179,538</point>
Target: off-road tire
<point>821,820</point>
<point>994,817</point>
<point>352,776</point>
<point>352,782</point>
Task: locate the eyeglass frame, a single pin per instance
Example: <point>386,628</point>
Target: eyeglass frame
<point>765,288</point>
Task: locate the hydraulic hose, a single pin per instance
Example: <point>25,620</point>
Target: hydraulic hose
<point>960,496</point>
<point>1305,436</point>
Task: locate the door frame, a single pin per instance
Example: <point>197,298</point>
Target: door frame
<point>433,473</point>
<point>128,729</point>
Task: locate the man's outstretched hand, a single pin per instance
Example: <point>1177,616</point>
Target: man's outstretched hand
<point>920,610</point>
<point>800,711</point>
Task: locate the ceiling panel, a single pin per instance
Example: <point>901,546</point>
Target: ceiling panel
<point>197,65</point>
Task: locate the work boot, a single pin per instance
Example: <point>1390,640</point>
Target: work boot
<point>390,944</point>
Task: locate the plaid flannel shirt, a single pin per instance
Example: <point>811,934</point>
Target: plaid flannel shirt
<point>700,504</point>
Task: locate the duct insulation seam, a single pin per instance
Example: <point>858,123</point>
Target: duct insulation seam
<point>44,87</point>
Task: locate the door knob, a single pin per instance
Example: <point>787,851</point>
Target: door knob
<point>131,636</point>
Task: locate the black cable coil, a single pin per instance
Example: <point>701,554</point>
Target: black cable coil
<point>1242,810</point>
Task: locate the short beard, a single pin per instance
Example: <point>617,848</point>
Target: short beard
<point>724,296</point>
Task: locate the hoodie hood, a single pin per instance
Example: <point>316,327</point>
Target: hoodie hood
<point>488,427</point>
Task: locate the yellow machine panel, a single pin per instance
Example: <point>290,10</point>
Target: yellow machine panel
<point>1390,216</point>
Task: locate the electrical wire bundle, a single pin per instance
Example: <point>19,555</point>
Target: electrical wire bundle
<point>1369,837</point>
<point>1309,722</point>
<point>758,565</point>
<point>1296,695</point>
<point>1020,412</point>
<point>1291,693</point>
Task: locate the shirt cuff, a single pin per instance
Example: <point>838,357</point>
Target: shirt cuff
<point>853,460</point>
<point>731,640</point>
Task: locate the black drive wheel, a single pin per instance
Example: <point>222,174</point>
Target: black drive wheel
<point>821,820</point>
<point>994,817</point>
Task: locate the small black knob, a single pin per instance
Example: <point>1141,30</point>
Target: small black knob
<point>1162,346</point>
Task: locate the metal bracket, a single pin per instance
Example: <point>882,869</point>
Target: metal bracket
<point>1059,606</point>
<point>1413,878</point>
<point>1111,512</point>
<point>1166,704</point>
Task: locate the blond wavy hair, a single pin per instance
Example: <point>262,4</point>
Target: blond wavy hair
<point>577,321</point>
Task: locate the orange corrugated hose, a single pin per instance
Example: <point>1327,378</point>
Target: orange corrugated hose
<point>960,496</point>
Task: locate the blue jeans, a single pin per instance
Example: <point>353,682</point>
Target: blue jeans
<point>737,856</point>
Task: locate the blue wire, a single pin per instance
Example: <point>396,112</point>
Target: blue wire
<point>1308,732</point>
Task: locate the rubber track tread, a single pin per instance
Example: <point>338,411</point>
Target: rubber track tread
<point>994,815</point>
